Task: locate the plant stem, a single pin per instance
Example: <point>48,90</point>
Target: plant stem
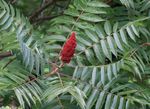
<point>10,61</point>
<point>55,70</point>
<point>61,82</point>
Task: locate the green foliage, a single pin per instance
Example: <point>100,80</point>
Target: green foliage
<point>110,69</point>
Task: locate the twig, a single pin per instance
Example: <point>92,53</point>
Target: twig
<point>43,18</point>
<point>146,44</point>
<point>36,13</point>
<point>109,1</point>
<point>6,54</point>
<point>46,18</point>
<point>14,1</point>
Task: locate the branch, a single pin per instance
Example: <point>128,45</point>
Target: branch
<point>6,54</point>
<point>146,44</point>
<point>38,11</point>
<point>46,18</point>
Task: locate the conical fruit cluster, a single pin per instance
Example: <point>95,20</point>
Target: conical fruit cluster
<point>68,49</point>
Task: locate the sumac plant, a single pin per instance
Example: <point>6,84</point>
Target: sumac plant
<point>75,54</point>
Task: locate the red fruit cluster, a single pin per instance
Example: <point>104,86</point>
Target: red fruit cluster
<point>68,49</point>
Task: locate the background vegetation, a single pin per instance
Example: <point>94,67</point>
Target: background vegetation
<point>111,66</point>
